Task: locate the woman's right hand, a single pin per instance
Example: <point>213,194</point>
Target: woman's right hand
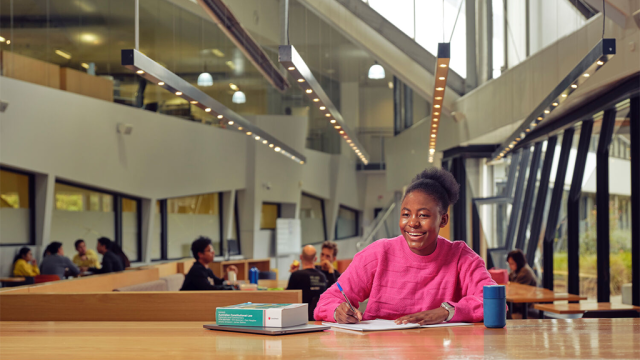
<point>344,315</point>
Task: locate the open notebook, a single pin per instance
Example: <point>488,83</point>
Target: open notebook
<point>380,325</point>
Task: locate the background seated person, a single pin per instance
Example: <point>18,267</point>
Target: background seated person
<point>110,261</point>
<point>200,277</point>
<point>310,280</point>
<point>327,258</point>
<point>56,263</point>
<point>85,258</point>
<point>116,249</point>
<point>419,276</point>
<point>24,264</point>
<point>521,273</point>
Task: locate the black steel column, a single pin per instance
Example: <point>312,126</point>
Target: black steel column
<point>475,227</point>
<point>634,116</point>
<point>602,203</point>
<point>516,205</point>
<point>541,199</point>
<point>397,106</point>
<point>528,196</point>
<point>163,229</point>
<point>459,211</point>
<point>117,210</point>
<point>573,208</point>
<point>554,208</point>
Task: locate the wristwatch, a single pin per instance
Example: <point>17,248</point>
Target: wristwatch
<point>450,309</point>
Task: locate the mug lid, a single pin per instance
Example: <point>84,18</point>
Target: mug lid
<point>494,292</point>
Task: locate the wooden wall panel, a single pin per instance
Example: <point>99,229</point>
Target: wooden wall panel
<point>96,283</point>
<point>84,84</point>
<point>30,70</point>
<point>133,306</point>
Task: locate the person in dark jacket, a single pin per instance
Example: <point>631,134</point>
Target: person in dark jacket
<point>327,258</point>
<point>200,277</point>
<point>310,280</point>
<point>521,272</point>
<point>110,261</point>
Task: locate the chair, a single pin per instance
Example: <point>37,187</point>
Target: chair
<point>38,279</point>
<point>611,314</point>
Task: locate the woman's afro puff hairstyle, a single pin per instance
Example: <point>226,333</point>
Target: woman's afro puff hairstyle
<point>439,184</point>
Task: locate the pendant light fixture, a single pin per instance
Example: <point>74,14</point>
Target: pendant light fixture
<point>205,79</point>
<point>145,67</point>
<point>376,72</point>
<point>591,63</point>
<point>239,97</point>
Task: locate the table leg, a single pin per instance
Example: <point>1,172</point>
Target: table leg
<point>510,311</point>
<point>525,314</point>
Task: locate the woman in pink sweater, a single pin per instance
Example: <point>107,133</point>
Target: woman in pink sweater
<point>419,276</point>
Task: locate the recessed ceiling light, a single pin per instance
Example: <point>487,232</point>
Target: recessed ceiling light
<point>220,117</point>
<point>291,68</point>
<point>333,121</point>
<point>443,65</point>
<point>300,80</point>
<point>309,91</point>
<point>161,83</point>
<point>230,122</point>
<point>439,89</point>
<point>68,56</point>
<point>140,72</point>
<point>193,102</point>
<point>316,100</point>
<point>207,109</point>
<point>180,93</point>
<point>322,107</point>
<point>441,78</point>
<point>249,133</point>
<point>575,86</point>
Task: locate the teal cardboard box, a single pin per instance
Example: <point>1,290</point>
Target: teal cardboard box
<point>270,315</point>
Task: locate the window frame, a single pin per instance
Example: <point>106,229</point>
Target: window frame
<point>324,218</point>
<point>117,213</point>
<point>357,212</point>
<point>164,226</point>
<point>32,206</point>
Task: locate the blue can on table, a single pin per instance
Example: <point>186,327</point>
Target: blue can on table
<point>253,275</point>
<point>495,306</point>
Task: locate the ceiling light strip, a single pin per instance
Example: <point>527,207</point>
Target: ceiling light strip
<point>440,86</point>
<point>591,63</point>
<point>157,74</point>
<point>299,70</point>
<point>229,24</point>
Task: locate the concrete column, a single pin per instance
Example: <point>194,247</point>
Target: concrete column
<point>44,200</point>
<point>147,213</point>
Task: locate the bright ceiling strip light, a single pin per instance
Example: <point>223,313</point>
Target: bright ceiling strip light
<point>299,70</point>
<point>592,62</point>
<point>440,86</point>
<point>156,73</point>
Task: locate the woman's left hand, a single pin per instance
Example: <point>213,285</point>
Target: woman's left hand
<point>435,316</point>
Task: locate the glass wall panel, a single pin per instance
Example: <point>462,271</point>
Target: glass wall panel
<point>190,217</point>
<point>620,207</point>
<point>498,37</point>
<point>312,220</point>
<point>15,212</point>
<point>130,231</point>
<point>347,223</point>
<point>81,214</point>
<point>560,265</point>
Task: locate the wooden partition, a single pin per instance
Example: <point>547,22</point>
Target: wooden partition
<point>219,268</point>
<point>133,306</point>
<point>89,284</point>
<point>84,84</point>
<point>30,70</point>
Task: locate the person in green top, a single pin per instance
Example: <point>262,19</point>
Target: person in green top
<point>85,258</point>
<point>24,264</point>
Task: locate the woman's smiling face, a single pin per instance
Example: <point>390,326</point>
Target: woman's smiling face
<point>420,222</point>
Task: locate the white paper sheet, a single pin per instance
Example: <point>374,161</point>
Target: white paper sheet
<point>373,325</point>
<point>380,325</point>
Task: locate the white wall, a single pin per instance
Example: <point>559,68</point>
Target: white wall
<point>376,107</point>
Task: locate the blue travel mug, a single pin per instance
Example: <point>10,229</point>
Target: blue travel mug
<point>253,275</point>
<point>495,306</point>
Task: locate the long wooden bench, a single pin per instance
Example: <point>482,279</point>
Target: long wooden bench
<point>132,306</point>
<point>581,308</point>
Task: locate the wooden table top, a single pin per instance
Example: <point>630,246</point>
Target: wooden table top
<point>273,283</point>
<point>518,293</point>
<point>583,307</point>
<point>530,339</point>
<point>12,279</point>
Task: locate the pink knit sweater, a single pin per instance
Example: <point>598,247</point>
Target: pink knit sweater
<point>398,282</point>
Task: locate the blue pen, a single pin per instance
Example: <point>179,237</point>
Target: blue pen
<point>346,298</point>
